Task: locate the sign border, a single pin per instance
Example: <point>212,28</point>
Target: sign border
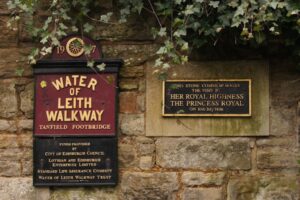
<point>50,67</point>
<point>86,134</point>
<point>207,115</point>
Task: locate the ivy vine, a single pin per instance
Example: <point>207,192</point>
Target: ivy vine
<point>181,25</point>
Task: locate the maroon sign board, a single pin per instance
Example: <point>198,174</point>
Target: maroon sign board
<point>75,120</point>
<point>75,104</point>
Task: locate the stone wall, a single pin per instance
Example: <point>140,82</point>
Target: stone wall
<point>161,168</point>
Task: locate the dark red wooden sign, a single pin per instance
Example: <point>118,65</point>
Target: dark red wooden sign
<point>75,129</point>
<point>75,104</point>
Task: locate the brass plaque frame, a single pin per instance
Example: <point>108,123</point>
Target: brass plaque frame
<point>207,115</point>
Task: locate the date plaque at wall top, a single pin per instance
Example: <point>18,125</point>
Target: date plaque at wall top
<point>72,47</point>
<point>215,98</point>
<point>75,161</point>
<point>75,104</point>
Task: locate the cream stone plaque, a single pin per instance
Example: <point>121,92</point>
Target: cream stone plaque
<point>182,124</point>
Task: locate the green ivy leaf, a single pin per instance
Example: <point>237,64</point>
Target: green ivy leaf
<point>239,11</point>
<point>90,63</point>
<point>190,9</point>
<point>162,50</point>
<point>87,49</point>
<point>74,28</point>
<point>101,66</point>
<point>62,26</point>
<point>260,37</point>
<point>162,32</point>
<point>105,18</point>
<point>139,6</point>
<point>178,2</point>
<point>180,32</point>
<point>233,4</point>
<point>19,71</point>
<point>214,4</point>
<point>158,62</point>
<point>87,27</point>
<point>274,4</point>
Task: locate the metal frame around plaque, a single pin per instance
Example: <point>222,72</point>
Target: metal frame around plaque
<point>207,115</point>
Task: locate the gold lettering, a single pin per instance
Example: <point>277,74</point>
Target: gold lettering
<point>51,115</point>
<point>58,84</point>
<point>74,115</point>
<point>68,103</point>
<point>82,81</point>
<point>99,113</point>
<point>92,83</point>
<point>68,82</point>
<point>176,103</point>
<point>59,106</point>
<point>74,80</point>
<point>88,102</point>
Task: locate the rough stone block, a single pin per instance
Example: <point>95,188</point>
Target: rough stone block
<point>146,162</point>
<point>202,193</point>
<point>10,168</point>
<point>133,55</point>
<point>141,102</point>
<point>94,193</point>
<point>15,154</point>
<point>8,126</point>
<point>144,140</point>
<point>8,99</point>
<point>128,102</point>
<point>8,36</point>
<point>16,189</point>
<point>203,153</point>
<point>27,167</point>
<point>283,120</point>
<point>128,84</point>
<point>127,156</point>
<point>132,124</point>
<point>15,141</point>
<point>132,72</point>
<point>25,124</point>
<point>145,146</point>
<point>42,193</point>
<point>3,8</point>
<point>284,80</point>
<point>142,85</point>
<point>12,59</point>
<point>290,142</point>
<point>146,149</point>
<point>146,186</point>
<point>27,97</point>
<point>202,178</point>
<point>136,28</point>
<point>276,157</point>
<point>263,187</point>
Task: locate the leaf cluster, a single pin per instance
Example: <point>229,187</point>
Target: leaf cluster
<point>181,25</point>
